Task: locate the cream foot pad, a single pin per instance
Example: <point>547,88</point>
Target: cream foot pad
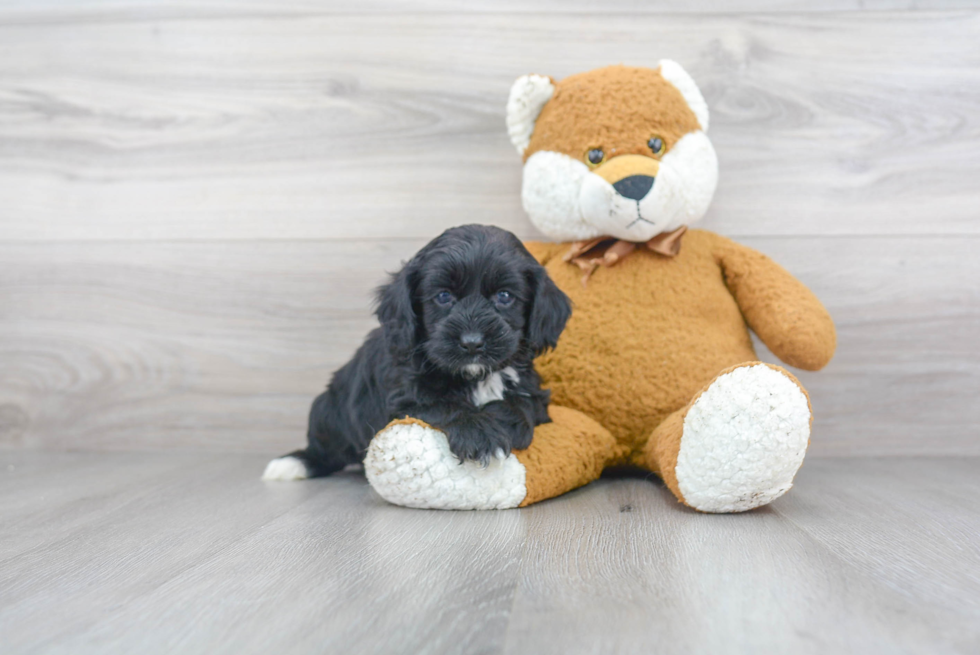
<point>744,439</point>
<point>410,464</point>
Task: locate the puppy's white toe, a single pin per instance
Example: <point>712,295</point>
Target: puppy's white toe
<point>411,465</point>
<point>285,469</point>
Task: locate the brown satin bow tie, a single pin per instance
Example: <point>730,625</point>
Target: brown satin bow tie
<point>588,255</point>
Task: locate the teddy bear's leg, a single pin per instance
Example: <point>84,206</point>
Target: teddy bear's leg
<point>737,444</point>
<point>409,463</point>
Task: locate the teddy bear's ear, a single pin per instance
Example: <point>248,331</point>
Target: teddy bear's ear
<point>673,73</point>
<point>528,97</point>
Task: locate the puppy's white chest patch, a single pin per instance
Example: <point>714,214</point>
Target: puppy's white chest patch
<point>492,387</point>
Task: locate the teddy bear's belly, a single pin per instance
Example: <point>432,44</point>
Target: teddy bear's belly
<point>644,337</point>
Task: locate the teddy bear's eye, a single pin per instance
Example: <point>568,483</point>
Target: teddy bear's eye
<point>656,145</point>
<point>595,156</point>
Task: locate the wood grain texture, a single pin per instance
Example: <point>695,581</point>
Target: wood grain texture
<point>36,11</point>
<point>723,584</point>
<point>179,345</point>
<point>862,556</point>
<point>327,126</point>
<point>924,549</point>
<point>222,346</point>
<point>197,198</point>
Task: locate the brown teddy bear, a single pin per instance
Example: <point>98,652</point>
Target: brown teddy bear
<point>656,368</point>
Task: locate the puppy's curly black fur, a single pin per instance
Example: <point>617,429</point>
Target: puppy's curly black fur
<point>460,326</point>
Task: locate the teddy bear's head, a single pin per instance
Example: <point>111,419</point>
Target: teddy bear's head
<point>618,151</point>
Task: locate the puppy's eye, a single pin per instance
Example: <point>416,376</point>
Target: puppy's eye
<point>444,298</point>
<point>595,156</point>
<point>504,298</point>
<point>656,145</point>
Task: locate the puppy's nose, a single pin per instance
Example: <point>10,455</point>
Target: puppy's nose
<point>472,342</point>
<point>634,187</point>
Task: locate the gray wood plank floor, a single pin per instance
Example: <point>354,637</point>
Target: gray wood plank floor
<point>154,553</point>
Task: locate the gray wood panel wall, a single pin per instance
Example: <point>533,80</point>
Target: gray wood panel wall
<point>196,199</point>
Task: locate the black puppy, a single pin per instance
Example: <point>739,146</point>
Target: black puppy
<point>460,326</point>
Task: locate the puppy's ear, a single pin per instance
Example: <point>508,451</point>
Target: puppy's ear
<point>550,310</point>
<point>396,309</point>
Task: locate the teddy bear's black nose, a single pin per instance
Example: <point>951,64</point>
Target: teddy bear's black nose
<point>634,187</point>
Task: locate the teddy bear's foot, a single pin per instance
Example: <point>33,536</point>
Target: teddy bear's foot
<point>739,444</point>
<point>409,463</point>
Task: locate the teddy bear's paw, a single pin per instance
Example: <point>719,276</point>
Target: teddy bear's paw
<point>410,464</point>
<point>743,441</point>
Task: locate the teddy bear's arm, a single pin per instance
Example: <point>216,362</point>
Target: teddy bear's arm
<point>543,251</point>
<point>785,314</point>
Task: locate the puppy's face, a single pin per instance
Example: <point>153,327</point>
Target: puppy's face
<point>472,301</point>
<point>473,298</point>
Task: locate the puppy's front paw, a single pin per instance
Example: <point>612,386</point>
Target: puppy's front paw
<point>410,464</point>
<point>478,446</point>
